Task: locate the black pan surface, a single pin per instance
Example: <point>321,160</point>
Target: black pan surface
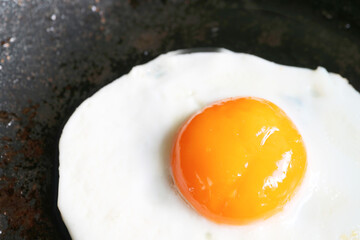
<point>54,54</point>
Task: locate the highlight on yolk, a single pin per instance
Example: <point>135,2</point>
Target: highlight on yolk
<point>238,160</point>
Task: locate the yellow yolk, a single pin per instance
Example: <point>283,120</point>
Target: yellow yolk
<point>238,160</point>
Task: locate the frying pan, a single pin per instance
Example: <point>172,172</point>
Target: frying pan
<point>54,54</point>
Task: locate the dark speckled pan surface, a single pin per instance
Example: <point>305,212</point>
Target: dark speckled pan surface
<point>54,54</point>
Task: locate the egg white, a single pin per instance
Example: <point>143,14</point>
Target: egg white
<point>114,158</point>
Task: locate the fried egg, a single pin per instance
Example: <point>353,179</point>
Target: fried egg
<point>214,145</point>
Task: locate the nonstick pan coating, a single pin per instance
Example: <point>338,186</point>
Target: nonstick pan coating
<point>54,54</point>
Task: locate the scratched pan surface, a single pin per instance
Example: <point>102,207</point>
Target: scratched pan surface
<point>54,54</point>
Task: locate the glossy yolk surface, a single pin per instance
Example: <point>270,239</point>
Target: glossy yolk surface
<point>238,160</point>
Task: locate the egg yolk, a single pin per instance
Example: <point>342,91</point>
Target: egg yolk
<point>238,160</point>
